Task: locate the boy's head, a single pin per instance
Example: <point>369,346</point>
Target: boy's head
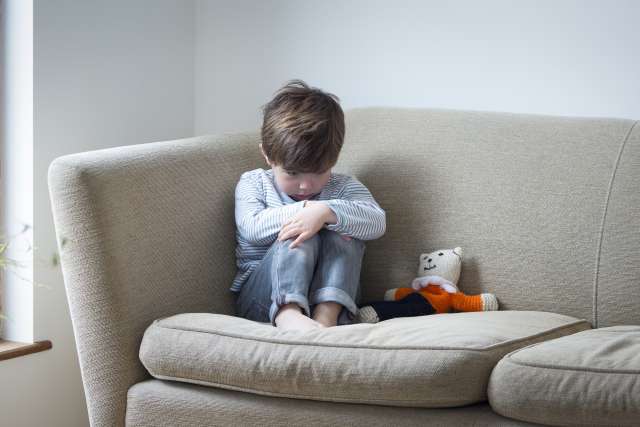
<point>302,135</point>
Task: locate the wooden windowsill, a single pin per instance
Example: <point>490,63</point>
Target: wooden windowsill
<point>11,349</point>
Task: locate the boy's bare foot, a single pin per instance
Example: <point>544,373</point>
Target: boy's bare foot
<point>326,313</point>
<point>290,317</point>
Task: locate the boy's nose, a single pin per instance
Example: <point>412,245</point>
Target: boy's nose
<point>305,185</point>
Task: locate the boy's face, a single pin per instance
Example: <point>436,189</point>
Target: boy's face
<point>298,185</point>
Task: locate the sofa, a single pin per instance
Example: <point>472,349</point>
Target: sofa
<point>547,210</point>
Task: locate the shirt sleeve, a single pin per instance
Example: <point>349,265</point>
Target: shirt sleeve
<point>358,214</point>
<point>255,222</point>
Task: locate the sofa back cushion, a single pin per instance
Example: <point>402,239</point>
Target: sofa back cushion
<point>545,208</point>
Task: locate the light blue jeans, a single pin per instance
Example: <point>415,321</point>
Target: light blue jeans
<point>323,268</point>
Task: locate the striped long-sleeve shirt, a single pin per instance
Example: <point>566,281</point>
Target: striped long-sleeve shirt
<point>261,209</point>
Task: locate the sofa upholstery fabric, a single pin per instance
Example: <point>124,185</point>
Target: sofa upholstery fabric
<point>432,361</point>
<point>591,378</point>
<point>155,403</point>
<point>541,204</point>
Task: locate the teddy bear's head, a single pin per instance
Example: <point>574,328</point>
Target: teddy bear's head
<point>445,263</point>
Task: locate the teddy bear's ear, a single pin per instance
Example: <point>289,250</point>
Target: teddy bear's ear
<point>458,251</point>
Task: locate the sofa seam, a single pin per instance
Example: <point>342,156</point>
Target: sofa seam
<point>489,348</point>
<point>313,396</point>
<point>509,359</point>
<point>536,344</point>
<point>603,223</point>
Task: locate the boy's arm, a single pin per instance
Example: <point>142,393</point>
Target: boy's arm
<point>256,223</point>
<point>358,214</point>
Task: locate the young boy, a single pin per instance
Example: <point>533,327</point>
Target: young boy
<point>300,228</point>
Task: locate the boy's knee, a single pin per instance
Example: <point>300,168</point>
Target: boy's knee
<point>337,239</point>
<point>311,243</point>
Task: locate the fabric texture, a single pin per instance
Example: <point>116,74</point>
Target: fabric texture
<point>526,195</point>
<point>544,207</point>
<point>155,403</point>
<point>591,378</point>
<point>429,361</point>
<point>261,208</point>
<point>617,280</point>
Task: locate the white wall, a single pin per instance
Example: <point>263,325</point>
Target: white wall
<point>105,74</point>
<point>577,57</point>
<point>122,72</point>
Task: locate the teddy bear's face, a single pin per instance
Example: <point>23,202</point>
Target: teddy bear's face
<point>444,263</point>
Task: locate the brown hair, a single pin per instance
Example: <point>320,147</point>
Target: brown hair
<point>303,128</point>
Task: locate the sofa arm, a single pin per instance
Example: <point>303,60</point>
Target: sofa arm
<point>144,231</point>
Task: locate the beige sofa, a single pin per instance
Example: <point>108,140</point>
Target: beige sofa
<point>546,208</point>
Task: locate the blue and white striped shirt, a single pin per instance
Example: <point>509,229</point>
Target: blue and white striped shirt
<point>261,209</point>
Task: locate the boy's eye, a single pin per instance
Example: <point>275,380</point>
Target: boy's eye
<point>292,173</point>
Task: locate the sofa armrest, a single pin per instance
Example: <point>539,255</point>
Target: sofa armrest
<point>144,231</point>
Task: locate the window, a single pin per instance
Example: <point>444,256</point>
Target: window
<point>16,175</point>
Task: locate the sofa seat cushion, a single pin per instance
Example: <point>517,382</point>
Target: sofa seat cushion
<point>589,378</point>
<point>429,361</point>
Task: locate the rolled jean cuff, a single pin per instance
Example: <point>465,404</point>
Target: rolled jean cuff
<point>301,300</point>
<point>329,293</point>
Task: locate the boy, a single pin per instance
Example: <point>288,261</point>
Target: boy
<point>300,228</point>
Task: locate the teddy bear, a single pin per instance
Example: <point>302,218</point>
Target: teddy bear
<point>434,291</point>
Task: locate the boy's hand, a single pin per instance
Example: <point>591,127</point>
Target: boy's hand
<point>306,223</point>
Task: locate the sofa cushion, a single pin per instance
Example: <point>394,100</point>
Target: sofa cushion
<point>157,403</point>
<point>428,361</point>
<point>589,378</point>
